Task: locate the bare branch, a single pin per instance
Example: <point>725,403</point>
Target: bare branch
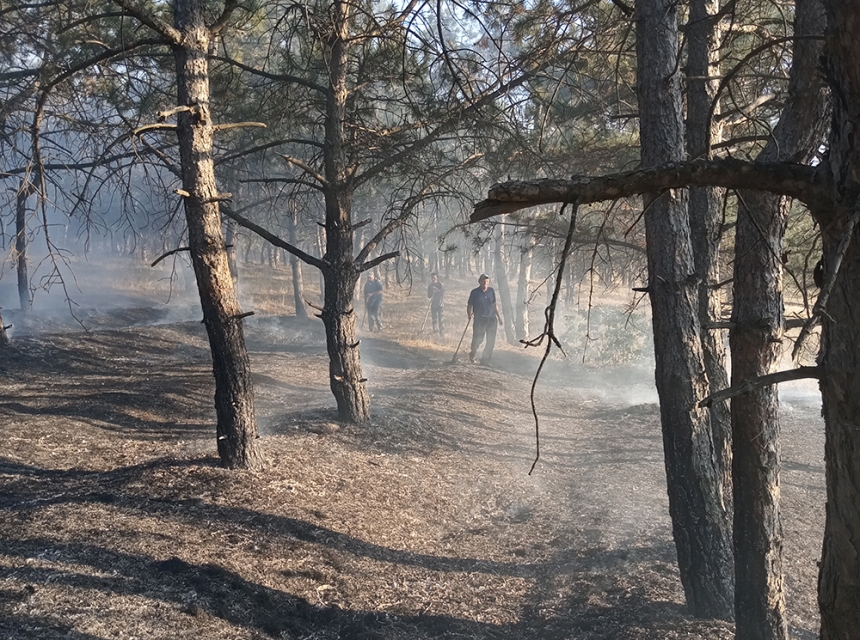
<point>169,253</point>
<point>367,266</point>
<point>301,165</point>
<point>807,184</point>
<point>272,238</point>
<point>237,125</point>
<point>747,386</point>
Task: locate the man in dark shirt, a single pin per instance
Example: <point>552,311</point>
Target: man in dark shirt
<point>373,301</point>
<point>436,293</point>
<point>483,309</point>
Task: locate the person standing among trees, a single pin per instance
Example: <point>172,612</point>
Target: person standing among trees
<point>483,308</point>
<point>373,301</point>
<point>436,293</point>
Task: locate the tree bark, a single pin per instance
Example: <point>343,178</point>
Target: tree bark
<point>839,578</point>
<point>756,336</point>
<point>340,273</point>
<point>703,42</point>
<point>296,264</point>
<point>502,287</point>
<point>234,398</point>
<point>24,192</point>
<point>700,523</point>
<point>521,316</point>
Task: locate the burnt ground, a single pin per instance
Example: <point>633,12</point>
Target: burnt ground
<point>117,522</point>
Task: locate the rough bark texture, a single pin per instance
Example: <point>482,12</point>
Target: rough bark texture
<point>234,398</point>
<point>755,344</point>
<point>340,273</point>
<point>699,521</point>
<point>758,321</point>
<point>705,207</point>
<point>839,580</point>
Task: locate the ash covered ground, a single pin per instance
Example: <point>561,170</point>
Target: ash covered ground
<point>116,521</point>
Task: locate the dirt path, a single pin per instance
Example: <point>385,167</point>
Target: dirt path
<point>115,520</point>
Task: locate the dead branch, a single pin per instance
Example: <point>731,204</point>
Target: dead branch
<point>237,125</point>
<point>762,381</point>
<point>170,253</point>
<point>549,327</point>
<point>370,264</point>
<point>164,115</point>
<point>272,238</point>
<point>240,316</point>
<point>805,183</point>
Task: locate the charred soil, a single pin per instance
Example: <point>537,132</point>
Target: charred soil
<point>116,520</point>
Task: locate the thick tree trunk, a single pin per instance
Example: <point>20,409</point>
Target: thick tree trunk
<point>24,192</point>
<point>756,335</point>
<point>839,578</point>
<point>341,273</point>
<point>755,343</point>
<point>700,523</point>
<point>705,207</point>
<point>521,315</point>
<point>234,398</point>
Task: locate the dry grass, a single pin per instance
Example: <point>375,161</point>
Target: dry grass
<point>116,522</point>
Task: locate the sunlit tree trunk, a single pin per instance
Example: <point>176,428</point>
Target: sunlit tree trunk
<point>700,524</point>
<point>234,398</point>
<point>502,287</point>
<point>521,315</point>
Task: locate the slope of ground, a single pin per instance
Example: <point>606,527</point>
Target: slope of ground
<point>116,521</point>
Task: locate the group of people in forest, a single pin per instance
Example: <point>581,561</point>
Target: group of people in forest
<point>482,311</point>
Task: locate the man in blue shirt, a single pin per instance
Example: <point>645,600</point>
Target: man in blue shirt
<point>483,309</point>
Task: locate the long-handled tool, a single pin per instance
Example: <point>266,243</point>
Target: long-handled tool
<point>466,328</point>
<point>425,318</point>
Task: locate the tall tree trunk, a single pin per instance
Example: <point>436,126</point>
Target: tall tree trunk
<point>703,42</point>
<point>502,286</point>
<point>24,192</point>
<point>700,523</point>
<point>521,315</point>
<point>234,398</point>
<point>341,274</point>
<point>757,331</point>
<point>839,578</point>
<point>296,264</point>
